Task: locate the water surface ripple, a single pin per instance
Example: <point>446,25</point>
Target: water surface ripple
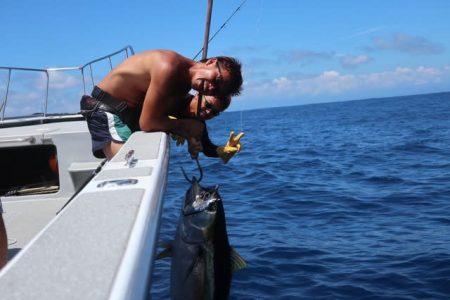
<point>343,200</point>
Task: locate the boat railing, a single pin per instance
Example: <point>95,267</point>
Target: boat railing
<point>86,74</point>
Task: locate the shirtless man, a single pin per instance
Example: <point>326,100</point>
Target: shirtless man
<point>143,91</point>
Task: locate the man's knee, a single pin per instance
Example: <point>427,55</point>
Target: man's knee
<point>111,149</point>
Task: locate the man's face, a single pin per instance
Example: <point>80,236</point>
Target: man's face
<point>215,79</point>
<point>211,107</point>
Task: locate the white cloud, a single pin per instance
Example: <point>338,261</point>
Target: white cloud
<point>24,103</point>
<point>27,92</point>
<point>60,80</point>
<point>331,82</point>
<point>351,61</point>
<point>299,55</point>
<point>409,44</point>
<point>304,56</point>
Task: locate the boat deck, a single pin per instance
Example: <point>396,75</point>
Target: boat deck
<point>101,245</point>
<point>24,219</point>
<point>26,215</point>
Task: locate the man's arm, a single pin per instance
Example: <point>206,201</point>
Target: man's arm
<point>155,112</point>
<point>209,149</point>
<point>159,100</point>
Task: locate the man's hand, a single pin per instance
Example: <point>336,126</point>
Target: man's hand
<point>193,129</point>
<point>190,128</point>
<point>179,139</point>
<point>232,146</point>
<point>194,147</point>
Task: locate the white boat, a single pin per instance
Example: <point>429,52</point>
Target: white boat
<point>100,245</point>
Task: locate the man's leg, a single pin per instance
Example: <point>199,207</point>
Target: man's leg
<point>108,133</point>
<point>3,244</point>
<point>111,149</point>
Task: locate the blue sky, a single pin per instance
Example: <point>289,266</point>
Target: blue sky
<point>293,51</point>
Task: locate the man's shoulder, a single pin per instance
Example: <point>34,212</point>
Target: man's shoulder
<point>153,61</point>
<point>168,61</point>
<point>163,55</point>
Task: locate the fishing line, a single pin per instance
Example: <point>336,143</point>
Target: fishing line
<point>221,27</point>
<point>212,37</point>
<point>258,22</point>
<point>200,94</point>
<point>200,169</point>
<point>242,126</point>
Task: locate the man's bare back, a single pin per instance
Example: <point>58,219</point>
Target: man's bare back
<point>131,80</point>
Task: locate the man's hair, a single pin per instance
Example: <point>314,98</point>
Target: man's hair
<point>225,100</point>
<point>233,66</point>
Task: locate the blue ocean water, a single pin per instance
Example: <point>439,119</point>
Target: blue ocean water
<point>345,200</point>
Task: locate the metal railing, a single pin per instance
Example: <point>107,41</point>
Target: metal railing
<point>128,51</point>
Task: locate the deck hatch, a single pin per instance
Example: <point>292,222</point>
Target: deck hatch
<point>29,170</point>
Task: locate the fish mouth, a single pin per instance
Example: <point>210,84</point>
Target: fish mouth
<point>201,199</point>
<point>200,204</point>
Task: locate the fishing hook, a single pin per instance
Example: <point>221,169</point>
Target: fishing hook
<point>199,168</point>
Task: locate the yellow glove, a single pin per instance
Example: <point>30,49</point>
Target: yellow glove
<point>179,139</point>
<point>231,147</point>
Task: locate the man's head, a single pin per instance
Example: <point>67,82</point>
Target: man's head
<point>233,66</point>
<point>211,107</point>
<point>220,75</point>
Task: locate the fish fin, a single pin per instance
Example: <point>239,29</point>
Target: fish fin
<point>167,252</point>
<point>237,262</point>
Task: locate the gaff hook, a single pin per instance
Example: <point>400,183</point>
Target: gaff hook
<point>199,168</point>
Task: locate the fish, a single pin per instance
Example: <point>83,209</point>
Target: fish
<point>202,259</point>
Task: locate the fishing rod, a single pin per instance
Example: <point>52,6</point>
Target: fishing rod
<point>207,40</point>
<point>205,51</point>
<point>207,29</point>
<point>221,27</point>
